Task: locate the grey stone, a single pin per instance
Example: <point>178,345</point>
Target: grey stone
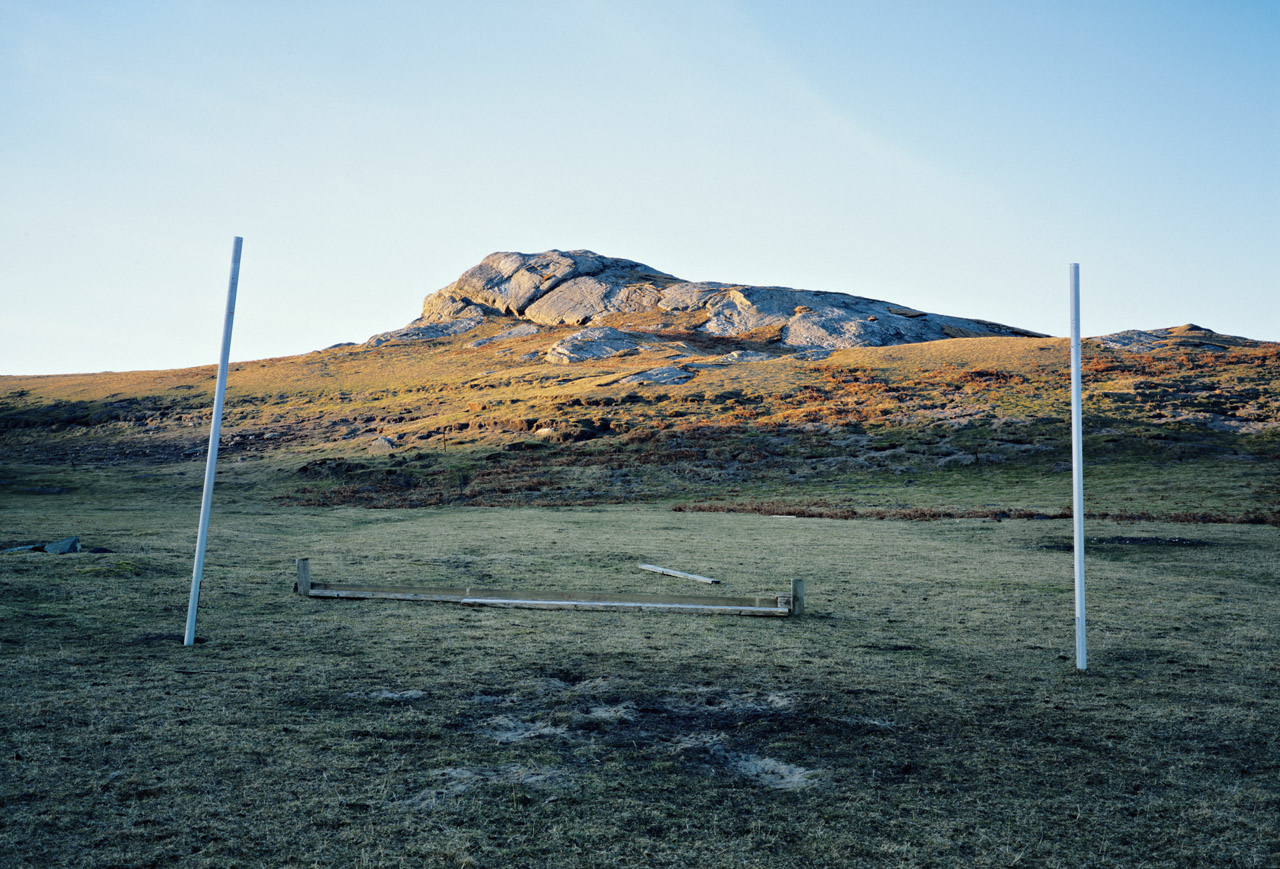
<point>1134,340</point>
<point>63,546</point>
<point>600,342</point>
<point>381,446</point>
<point>583,299</point>
<point>420,331</point>
<point>524,330</point>
<point>507,283</point>
<point>684,296</point>
<point>579,287</point>
<point>667,374</point>
<point>738,356</point>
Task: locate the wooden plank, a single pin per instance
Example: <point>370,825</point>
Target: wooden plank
<point>384,593</point>
<point>304,577</point>
<point>766,605</point>
<point>797,597</point>
<point>707,609</point>
<point>326,589</point>
<point>678,573</point>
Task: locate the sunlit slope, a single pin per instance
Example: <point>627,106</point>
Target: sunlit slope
<point>417,390</point>
<point>969,423</point>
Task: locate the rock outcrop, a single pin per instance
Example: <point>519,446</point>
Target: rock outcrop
<point>419,330</point>
<point>1188,336</point>
<point>524,330</point>
<point>669,375</point>
<point>600,343</point>
<point>583,288</point>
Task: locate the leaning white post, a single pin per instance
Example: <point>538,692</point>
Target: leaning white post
<point>211,466</point>
<point>1077,465</point>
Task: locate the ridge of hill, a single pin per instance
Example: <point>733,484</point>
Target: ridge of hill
<point>584,288</point>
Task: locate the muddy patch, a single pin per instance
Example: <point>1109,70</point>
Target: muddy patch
<point>773,773</point>
<point>442,784</point>
<point>711,730</point>
<point>382,695</point>
<point>508,728</point>
<point>712,751</point>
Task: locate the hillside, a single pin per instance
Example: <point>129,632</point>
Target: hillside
<point>1188,425</point>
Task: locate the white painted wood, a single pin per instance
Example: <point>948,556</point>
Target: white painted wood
<point>1077,467</point>
<point>678,573</point>
<point>211,465</point>
<point>628,605</point>
<point>757,605</point>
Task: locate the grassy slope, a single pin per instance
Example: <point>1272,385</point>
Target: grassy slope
<point>964,424</point>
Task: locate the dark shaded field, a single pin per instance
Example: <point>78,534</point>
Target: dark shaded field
<point>925,713</point>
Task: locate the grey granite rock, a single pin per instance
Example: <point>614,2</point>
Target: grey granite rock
<point>524,330</point>
<point>579,287</point>
<point>1135,340</point>
<point>580,300</point>
<point>598,343</point>
<point>420,331</point>
<point>381,446</point>
<point>738,356</point>
<point>667,374</point>
<point>63,546</point>
<point>508,283</point>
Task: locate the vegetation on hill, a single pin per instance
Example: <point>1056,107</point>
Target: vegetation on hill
<point>962,425</point>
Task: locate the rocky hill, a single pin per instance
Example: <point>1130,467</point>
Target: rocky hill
<point>622,298</point>
<point>571,378</point>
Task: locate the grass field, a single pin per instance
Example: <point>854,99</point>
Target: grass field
<point>925,713</point>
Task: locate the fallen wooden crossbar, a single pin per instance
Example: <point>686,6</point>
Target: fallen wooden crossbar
<point>677,573</point>
<point>755,605</point>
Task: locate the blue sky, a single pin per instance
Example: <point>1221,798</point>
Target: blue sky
<point>953,156</point>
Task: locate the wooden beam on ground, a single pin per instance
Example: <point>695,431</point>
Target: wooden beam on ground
<point>678,573</point>
<point>757,605</point>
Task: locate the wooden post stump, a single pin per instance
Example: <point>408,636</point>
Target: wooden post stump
<point>303,586</point>
<point>797,597</point>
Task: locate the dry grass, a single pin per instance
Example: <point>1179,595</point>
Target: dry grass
<point>961,426</point>
<point>926,713</point>
<point>430,391</point>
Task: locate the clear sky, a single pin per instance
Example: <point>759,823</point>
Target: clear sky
<point>952,156</point>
